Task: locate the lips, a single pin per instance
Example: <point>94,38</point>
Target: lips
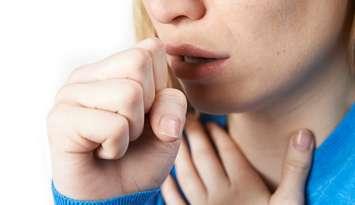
<point>191,62</point>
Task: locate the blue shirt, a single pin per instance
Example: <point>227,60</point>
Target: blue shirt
<point>331,179</point>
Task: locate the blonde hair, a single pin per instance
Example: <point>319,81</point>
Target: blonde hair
<point>142,24</point>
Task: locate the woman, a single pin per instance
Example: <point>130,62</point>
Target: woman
<point>273,69</point>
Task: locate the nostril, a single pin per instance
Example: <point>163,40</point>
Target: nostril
<point>174,11</point>
<point>178,19</point>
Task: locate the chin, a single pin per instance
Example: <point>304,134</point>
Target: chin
<point>226,99</point>
<point>219,102</point>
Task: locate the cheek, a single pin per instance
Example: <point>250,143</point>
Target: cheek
<point>276,48</point>
<point>264,31</point>
<point>276,44</point>
<point>275,34</point>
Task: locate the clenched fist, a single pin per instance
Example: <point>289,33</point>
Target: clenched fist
<point>115,127</point>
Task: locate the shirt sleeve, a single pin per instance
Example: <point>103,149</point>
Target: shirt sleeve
<point>149,197</point>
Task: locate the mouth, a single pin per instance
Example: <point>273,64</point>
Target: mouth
<point>191,62</point>
<point>194,55</point>
<point>197,60</point>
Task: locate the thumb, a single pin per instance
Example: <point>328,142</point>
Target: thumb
<point>168,114</point>
<point>295,171</point>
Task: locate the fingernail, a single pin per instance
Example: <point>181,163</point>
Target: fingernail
<point>303,140</point>
<point>170,126</point>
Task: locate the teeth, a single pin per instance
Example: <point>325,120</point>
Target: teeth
<point>197,60</point>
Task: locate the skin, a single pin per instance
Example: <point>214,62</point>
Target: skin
<point>98,117</point>
<point>104,125</point>
<point>212,170</point>
<point>288,64</point>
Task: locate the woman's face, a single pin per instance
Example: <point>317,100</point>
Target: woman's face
<point>273,45</point>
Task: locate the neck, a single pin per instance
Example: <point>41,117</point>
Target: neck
<point>318,104</point>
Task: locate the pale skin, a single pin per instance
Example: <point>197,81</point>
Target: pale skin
<point>222,175</point>
<point>289,69</point>
<point>104,126</point>
<point>99,147</point>
<point>98,117</point>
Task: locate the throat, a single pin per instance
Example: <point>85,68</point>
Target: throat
<point>266,159</point>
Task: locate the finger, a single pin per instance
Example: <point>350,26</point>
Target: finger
<point>167,116</point>
<point>89,130</point>
<point>134,64</point>
<point>235,163</point>
<point>204,156</point>
<point>122,96</point>
<point>295,171</point>
<point>187,175</point>
<point>171,192</point>
<point>241,174</point>
<point>158,54</point>
<point>226,148</point>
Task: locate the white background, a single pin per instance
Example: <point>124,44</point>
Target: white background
<point>41,41</point>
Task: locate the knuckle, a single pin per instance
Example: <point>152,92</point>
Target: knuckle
<point>175,95</point>
<point>119,127</point>
<point>133,93</point>
<point>294,165</point>
<point>141,57</point>
<point>56,120</point>
<point>52,115</point>
<point>115,147</point>
<point>61,93</point>
<point>155,43</point>
<point>57,114</point>
<point>75,73</point>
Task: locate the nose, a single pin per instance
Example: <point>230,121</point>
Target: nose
<point>169,11</point>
